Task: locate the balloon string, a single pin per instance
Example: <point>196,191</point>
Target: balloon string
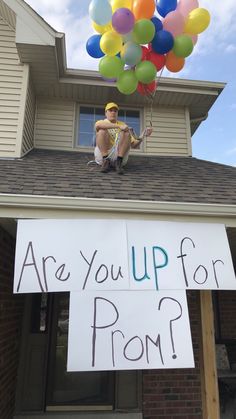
<point>151,96</point>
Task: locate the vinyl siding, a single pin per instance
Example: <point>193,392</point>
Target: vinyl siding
<point>8,15</point>
<point>170,134</point>
<point>11,82</point>
<point>55,121</point>
<point>54,125</point>
<point>28,129</point>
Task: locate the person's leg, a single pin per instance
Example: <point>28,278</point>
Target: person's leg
<point>122,151</point>
<point>103,143</point>
<point>124,143</point>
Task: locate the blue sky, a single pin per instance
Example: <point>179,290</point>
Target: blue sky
<point>213,59</point>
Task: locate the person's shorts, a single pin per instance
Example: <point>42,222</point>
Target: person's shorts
<point>113,153</point>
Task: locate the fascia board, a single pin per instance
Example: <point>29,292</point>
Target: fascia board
<point>18,205</point>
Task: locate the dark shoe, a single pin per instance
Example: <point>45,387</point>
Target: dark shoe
<point>119,168</point>
<point>105,166</point>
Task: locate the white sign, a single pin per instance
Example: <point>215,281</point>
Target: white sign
<point>77,255</point>
<point>71,255</point>
<point>167,255</point>
<point>129,330</point>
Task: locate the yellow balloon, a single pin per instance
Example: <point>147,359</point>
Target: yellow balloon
<point>111,43</point>
<point>116,4</point>
<point>102,28</point>
<point>197,21</point>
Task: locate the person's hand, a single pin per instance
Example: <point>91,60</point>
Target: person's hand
<point>124,127</point>
<point>148,131</point>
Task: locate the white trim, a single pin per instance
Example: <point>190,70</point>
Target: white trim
<point>22,110</point>
<point>28,20</point>
<point>188,131</point>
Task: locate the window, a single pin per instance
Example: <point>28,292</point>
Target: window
<point>88,116</point>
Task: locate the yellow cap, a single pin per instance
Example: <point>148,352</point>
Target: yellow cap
<point>111,105</point>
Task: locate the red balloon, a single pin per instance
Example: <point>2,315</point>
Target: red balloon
<point>145,52</point>
<point>145,89</point>
<point>157,59</point>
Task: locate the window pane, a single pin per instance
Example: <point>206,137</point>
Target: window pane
<point>86,139</point>
<point>87,113</point>
<point>86,126</point>
<point>39,313</point>
<point>99,113</point>
<point>132,114</point>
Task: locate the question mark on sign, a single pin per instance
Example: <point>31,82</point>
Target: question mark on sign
<point>174,356</point>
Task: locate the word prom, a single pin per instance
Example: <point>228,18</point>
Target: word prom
<point>129,330</point>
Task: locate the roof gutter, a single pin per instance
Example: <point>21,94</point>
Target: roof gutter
<point>29,206</point>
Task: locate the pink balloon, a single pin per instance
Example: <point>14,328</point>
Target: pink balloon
<point>194,39</point>
<point>186,6</point>
<point>174,23</point>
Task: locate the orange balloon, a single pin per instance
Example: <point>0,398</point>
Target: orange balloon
<point>174,63</point>
<point>143,9</point>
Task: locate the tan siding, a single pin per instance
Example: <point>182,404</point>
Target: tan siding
<point>10,91</point>
<point>28,130</point>
<point>54,125</point>
<point>7,14</point>
<point>170,135</point>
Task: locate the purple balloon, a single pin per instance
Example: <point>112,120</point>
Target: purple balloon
<point>123,20</point>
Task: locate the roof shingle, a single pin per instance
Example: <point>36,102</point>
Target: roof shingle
<point>151,178</point>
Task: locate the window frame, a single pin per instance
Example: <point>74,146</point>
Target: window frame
<point>122,108</point>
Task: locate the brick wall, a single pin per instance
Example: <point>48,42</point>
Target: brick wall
<point>11,308</point>
<point>172,394</point>
<point>227,314</point>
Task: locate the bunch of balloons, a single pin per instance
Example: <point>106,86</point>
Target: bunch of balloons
<point>133,44</point>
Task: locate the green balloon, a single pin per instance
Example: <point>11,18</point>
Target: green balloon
<point>143,31</point>
<point>145,72</point>
<point>110,67</point>
<point>127,82</point>
<point>183,46</point>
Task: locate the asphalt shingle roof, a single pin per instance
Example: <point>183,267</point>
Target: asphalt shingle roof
<point>151,178</point>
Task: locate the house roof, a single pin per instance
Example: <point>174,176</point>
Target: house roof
<point>148,178</point>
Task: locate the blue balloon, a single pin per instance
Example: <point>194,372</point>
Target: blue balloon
<point>100,11</point>
<point>157,23</point>
<point>162,42</point>
<point>165,6</point>
<point>93,46</point>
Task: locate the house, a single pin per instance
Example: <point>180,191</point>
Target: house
<point>46,127</point>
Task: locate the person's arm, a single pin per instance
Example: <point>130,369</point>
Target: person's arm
<point>137,141</point>
<point>108,125</point>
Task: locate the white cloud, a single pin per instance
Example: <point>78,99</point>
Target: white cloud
<point>222,29</point>
<point>230,48</point>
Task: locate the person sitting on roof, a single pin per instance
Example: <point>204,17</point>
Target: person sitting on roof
<point>114,139</point>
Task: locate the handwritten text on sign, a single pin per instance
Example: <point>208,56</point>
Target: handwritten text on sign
<point>129,330</point>
<point>78,255</point>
